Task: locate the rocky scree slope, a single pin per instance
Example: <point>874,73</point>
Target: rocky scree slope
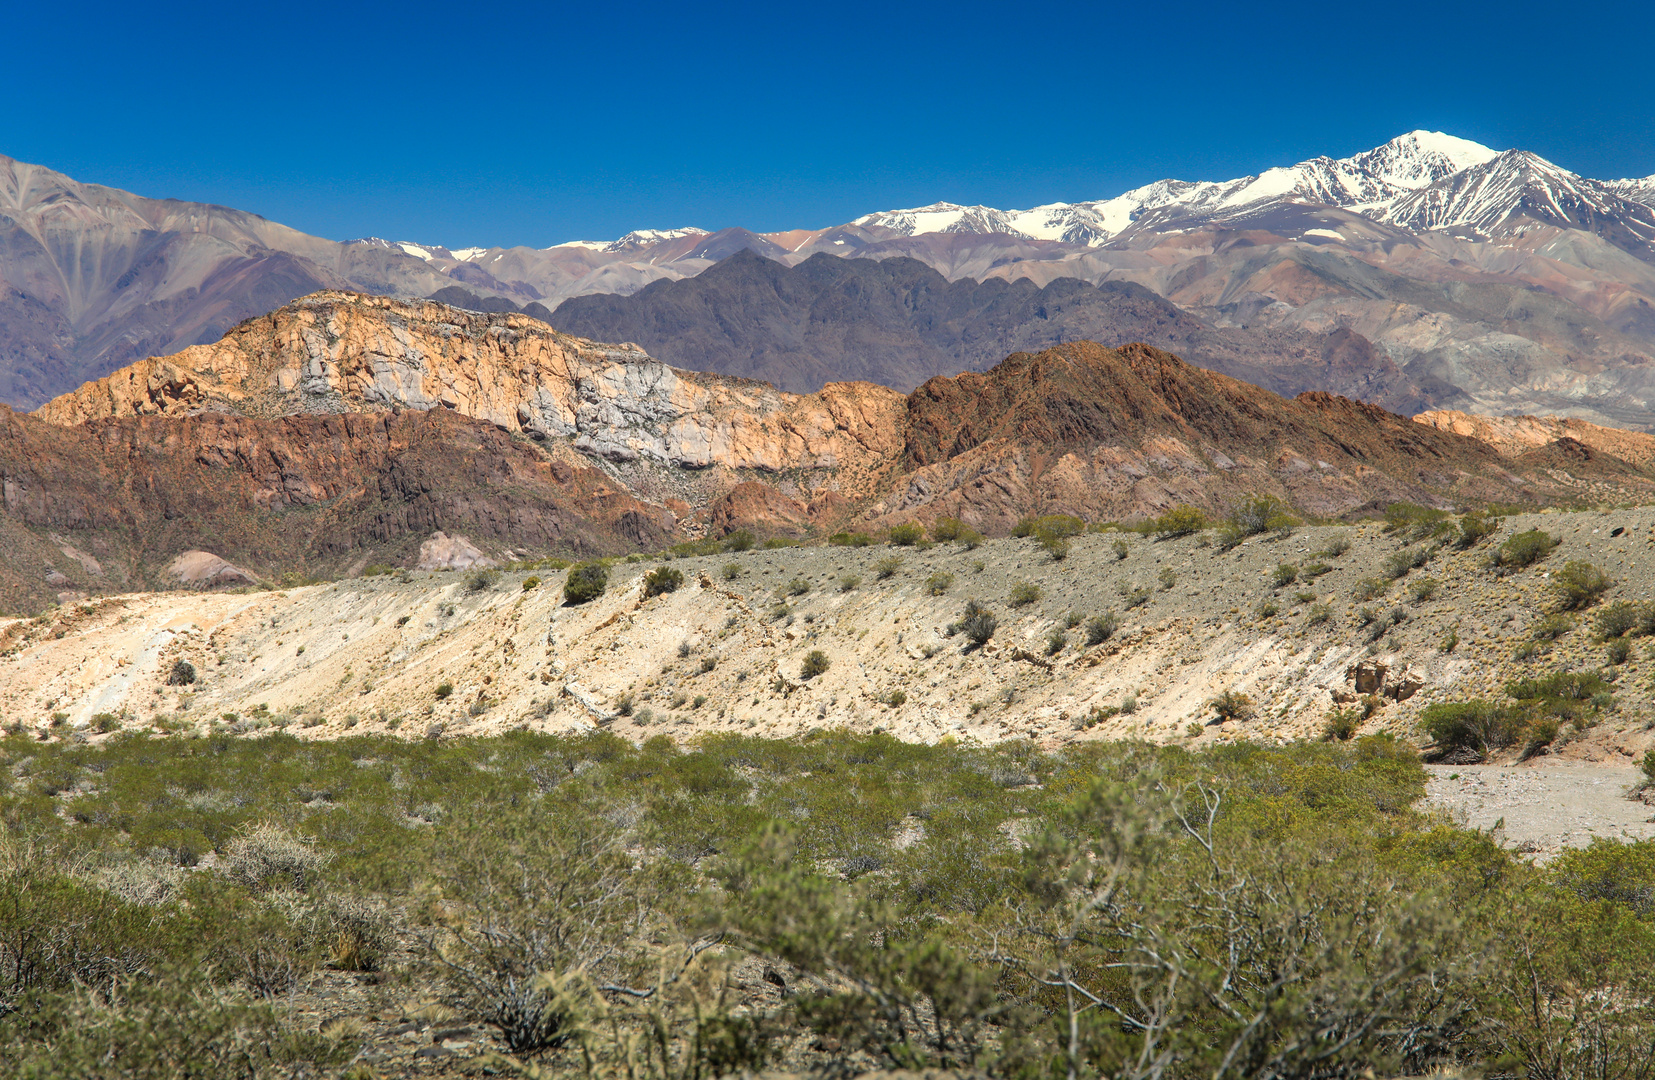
<point>726,650</point>
<point>566,446</point>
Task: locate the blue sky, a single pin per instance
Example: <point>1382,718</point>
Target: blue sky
<point>538,123</point>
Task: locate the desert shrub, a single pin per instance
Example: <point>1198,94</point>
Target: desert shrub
<point>1024,593</point>
<point>1472,725</point>
<point>1120,549</point>
<point>778,611</point>
<point>1618,651</point>
<point>182,673</point>
<point>815,663</point>
<point>1311,571</point>
<point>481,580</point>
<point>1255,516</point>
<point>1341,724</point>
<point>1551,627</point>
<point>740,540</point>
<point>1100,628</point>
<point>1055,641</point>
<point>1336,545</point>
<point>1179,521</point>
<point>1137,596</point>
<point>849,582</point>
<point>103,723</point>
<point>947,529</point>
<point>970,539</point>
<point>1318,614</point>
<point>1613,620</point>
<point>1525,549</point>
<point>444,690</point>
<point>1415,522</point>
<point>1054,544</point>
<point>850,539</point>
<point>1475,527</point>
<point>1268,609</point>
<point>1232,705</point>
<point>976,622</point>
<point>1304,597</point>
<point>1566,694</point>
<point>939,583</point>
<point>1284,574</point>
<point>775,543</point>
<point>585,582</point>
<point>796,587</point>
<point>531,582</point>
<point>1370,589</point>
<point>905,535</point>
<point>887,567</point>
<point>1579,584</point>
<point>269,856</point>
<point>731,571</point>
<point>662,579</point>
<point>1422,589</point>
<point>707,545</point>
<point>1398,563</point>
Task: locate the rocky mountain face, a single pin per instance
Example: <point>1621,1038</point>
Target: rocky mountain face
<point>898,322</point>
<point>346,428</point>
<point>1426,273</point>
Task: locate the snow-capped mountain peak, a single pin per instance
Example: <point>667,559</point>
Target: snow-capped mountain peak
<point>1517,187</point>
<point>1368,181</point>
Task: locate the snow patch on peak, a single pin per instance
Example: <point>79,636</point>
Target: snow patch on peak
<point>469,254</point>
<point>642,237</point>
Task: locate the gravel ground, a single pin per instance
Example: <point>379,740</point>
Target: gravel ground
<point>1546,808</point>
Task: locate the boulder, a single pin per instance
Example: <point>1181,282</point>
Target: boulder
<point>444,552</point>
<point>204,570</point>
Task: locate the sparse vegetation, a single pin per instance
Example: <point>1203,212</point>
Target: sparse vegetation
<point>849,583</point>
<point>1254,517</point>
<point>1525,549</point>
<point>887,567</point>
<point>976,622</point>
<point>1579,585</point>
<point>662,579</point>
<point>1100,628</point>
<point>1024,593</point>
<point>939,583</point>
<point>585,582</point>
<point>1179,521</point>
<point>905,535</point>
<point>1232,705</point>
<point>479,581</point>
<point>815,663</point>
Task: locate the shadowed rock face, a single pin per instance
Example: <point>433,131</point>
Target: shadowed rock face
<point>345,427</point>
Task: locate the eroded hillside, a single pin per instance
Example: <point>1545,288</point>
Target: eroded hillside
<point>726,651</point>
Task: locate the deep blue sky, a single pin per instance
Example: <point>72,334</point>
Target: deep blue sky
<point>533,124</point>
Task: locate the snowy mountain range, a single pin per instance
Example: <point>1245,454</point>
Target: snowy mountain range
<point>1431,269</point>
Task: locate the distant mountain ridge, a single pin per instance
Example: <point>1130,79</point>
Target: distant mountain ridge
<point>1460,276</point>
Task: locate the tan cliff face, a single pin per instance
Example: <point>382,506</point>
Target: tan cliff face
<point>345,429</point>
<point>1514,436</point>
<point>337,352</point>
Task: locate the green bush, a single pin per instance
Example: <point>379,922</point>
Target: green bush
<point>1422,589</point>
<point>1285,574</point>
<point>1551,627</point>
<point>850,539</point>
<point>1472,725</point>
<point>585,582</point>
<point>1100,628</point>
<point>1579,584</point>
<point>1398,563</point>
<point>1024,593</point>
<point>662,579</point>
<point>182,673</point>
<point>1232,705</point>
<point>481,580</point>
<point>815,663</point>
<point>947,529</point>
<point>444,691</point>
<point>849,582</point>
<point>1525,549</point>
<point>530,583</point>
<point>1179,521</point>
<point>798,586</point>
<point>887,567</point>
<point>1475,527</point>
<point>1415,522</point>
<point>977,623</point>
<point>939,583</point>
<point>905,535</point>
<point>1253,517</point>
<point>740,540</point>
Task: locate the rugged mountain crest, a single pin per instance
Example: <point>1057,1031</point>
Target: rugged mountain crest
<point>344,428</point>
